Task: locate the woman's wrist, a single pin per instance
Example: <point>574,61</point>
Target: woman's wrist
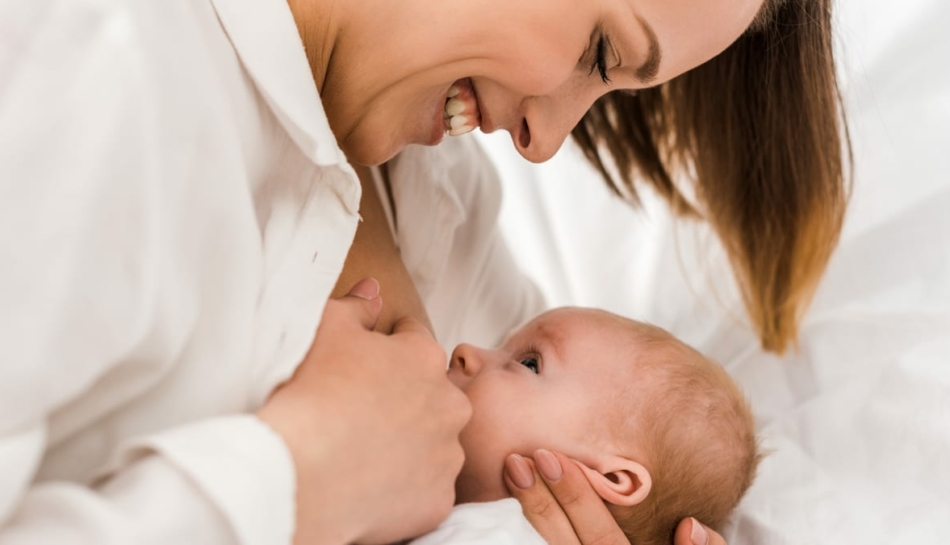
<point>331,519</point>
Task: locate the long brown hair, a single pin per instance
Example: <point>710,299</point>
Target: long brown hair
<point>760,134</point>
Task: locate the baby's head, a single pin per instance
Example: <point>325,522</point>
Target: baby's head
<point>661,432</point>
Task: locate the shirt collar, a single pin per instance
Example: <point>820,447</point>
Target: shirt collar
<point>265,37</point>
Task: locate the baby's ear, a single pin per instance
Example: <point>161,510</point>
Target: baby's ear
<point>619,481</point>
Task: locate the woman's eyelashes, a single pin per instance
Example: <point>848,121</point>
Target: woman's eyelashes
<point>600,58</point>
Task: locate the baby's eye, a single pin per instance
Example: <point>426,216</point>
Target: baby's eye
<point>530,363</point>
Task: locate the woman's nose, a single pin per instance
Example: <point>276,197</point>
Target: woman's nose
<point>548,120</point>
<point>467,358</point>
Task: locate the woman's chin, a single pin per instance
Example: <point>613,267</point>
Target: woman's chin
<point>369,153</point>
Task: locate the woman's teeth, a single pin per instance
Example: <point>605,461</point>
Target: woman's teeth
<point>455,122</point>
<point>454,106</point>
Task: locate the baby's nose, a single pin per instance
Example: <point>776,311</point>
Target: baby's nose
<point>465,358</point>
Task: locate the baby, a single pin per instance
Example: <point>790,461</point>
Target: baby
<point>661,432</point>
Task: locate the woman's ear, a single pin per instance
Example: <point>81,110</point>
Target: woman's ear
<point>619,481</point>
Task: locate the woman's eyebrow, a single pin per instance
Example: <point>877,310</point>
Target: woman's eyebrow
<point>651,66</point>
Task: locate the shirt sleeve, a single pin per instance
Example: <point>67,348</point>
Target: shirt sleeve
<point>84,215</point>
<point>221,481</point>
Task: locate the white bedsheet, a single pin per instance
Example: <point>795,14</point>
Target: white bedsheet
<point>858,421</point>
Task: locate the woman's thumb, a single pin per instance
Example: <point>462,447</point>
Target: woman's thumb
<point>367,288</point>
<point>370,304</point>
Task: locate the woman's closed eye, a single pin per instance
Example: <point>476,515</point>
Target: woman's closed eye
<point>598,55</point>
<point>600,59</point>
<point>531,363</point>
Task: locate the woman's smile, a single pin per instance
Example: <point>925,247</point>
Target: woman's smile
<point>455,113</point>
<point>461,113</point>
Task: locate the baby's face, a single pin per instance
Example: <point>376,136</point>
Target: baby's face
<point>551,385</point>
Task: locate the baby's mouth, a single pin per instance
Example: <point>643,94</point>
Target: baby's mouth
<point>461,114</point>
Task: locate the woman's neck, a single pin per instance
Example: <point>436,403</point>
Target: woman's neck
<point>319,23</point>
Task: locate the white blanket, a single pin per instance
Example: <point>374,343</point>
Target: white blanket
<point>491,523</point>
<point>858,420</point>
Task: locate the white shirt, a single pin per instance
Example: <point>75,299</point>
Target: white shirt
<point>448,200</point>
<point>174,212</point>
<point>491,523</point>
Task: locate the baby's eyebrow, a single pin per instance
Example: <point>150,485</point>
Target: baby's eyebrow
<point>553,337</point>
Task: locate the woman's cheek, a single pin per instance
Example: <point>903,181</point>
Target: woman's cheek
<point>534,68</point>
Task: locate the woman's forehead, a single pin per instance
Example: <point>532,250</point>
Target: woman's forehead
<point>687,32</point>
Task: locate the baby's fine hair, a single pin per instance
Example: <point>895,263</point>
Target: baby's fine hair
<point>694,433</point>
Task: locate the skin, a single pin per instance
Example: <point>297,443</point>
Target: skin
<point>386,386</point>
<point>562,505</point>
<point>529,62</point>
<point>557,499</point>
<point>374,254</point>
<point>549,384</point>
<point>383,70</point>
<point>580,354</point>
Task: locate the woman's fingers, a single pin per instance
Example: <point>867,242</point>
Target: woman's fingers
<point>537,502</point>
<point>565,509</point>
<point>367,288</point>
<point>562,506</point>
<point>691,532</point>
<point>587,512</point>
<point>364,302</point>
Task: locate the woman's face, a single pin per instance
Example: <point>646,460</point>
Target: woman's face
<point>529,66</point>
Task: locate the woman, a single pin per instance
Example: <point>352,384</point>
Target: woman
<point>178,202</point>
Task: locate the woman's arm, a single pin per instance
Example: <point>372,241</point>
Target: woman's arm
<point>96,302</point>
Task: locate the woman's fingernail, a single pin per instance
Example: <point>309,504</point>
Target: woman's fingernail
<point>548,465</point>
<point>697,534</point>
<point>518,471</point>
<point>367,288</point>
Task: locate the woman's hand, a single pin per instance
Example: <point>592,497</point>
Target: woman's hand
<point>559,502</point>
<point>691,532</point>
<point>372,424</point>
